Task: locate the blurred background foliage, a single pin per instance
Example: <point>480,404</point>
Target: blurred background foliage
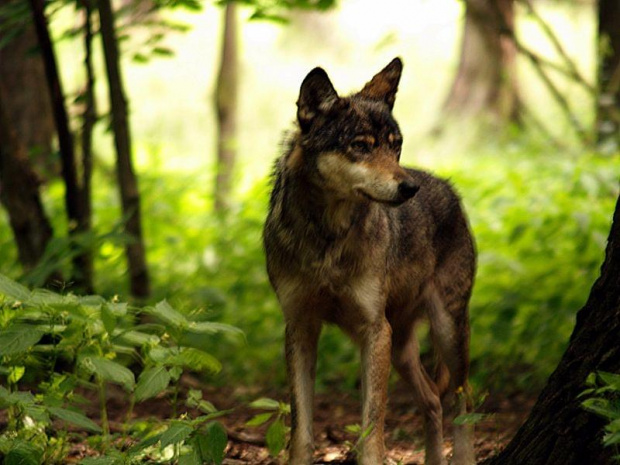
<point>539,202</point>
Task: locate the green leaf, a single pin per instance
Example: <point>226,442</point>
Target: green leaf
<point>16,373</point>
<point>212,443</point>
<point>147,442</point>
<point>191,457</point>
<point>210,327</point>
<point>136,338</point>
<point>611,379</point>
<point>12,289</point>
<point>169,315</point>
<point>196,360</point>
<point>176,433</point>
<point>163,51</point>
<point>101,461</point>
<point>151,382</point>
<point>18,338</point>
<point>23,453</point>
<point>276,437</point>
<point>108,319</point>
<point>469,418</point>
<point>265,404</point>
<point>113,372</point>
<point>195,400</point>
<point>75,418</point>
<point>611,439</point>
<point>259,419</point>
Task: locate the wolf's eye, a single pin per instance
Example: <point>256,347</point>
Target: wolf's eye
<point>361,146</point>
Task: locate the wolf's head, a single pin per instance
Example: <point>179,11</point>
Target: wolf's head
<point>354,141</point>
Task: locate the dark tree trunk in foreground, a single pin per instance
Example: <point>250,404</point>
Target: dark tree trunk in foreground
<point>559,430</point>
<point>19,194</point>
<point>226,106</point>
<point>608,109</point>
<point>22,77</point>
<point>73,203</point>
<point>128,183</point>
<point>486,80</point>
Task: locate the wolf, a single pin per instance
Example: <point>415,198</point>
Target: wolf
<point>354,239</point>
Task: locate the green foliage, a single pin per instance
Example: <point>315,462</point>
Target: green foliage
<point>356,429</point>
<point>541,225</point>
<point>603,399</point>
<point>277,430</point>
<point>98,338</point>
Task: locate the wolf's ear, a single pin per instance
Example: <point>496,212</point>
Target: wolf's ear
<point>384,85</point>
<point>316,96</point>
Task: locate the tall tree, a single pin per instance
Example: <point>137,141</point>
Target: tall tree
<point>22,75</point>
<point>73,203</point>
<point>608,103</point>
<point>89,119</point>
<point>19,193</point>
<point>559,429</point>
<point>128,182</point>
<point>486,81</point>
<point>226,106</point>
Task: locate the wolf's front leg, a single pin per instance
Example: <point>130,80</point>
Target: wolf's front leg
<point>301,347</point>
<point>376,347</point>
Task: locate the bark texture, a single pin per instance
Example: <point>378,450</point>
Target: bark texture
<point>608,108</point>
<point>73,201</point>
<point>22,76</point>
<point>559,430</point>
<point>486,80</point>
<point>226,105</point>
<point>128,182</point>
<point>19,194</point>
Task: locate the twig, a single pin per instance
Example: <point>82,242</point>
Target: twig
<point>572,68</point>
<point>537,63</point>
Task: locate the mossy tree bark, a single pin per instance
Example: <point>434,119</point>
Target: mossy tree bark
<point>558,429</point>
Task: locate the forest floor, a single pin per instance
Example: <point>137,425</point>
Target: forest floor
<point>334,411</point>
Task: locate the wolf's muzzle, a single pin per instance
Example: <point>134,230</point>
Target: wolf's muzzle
<point>407,189</point>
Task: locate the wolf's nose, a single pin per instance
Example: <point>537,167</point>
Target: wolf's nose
<point>407,189</point>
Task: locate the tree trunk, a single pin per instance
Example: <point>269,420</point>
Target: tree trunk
<point>128,183</point>
<point>22,75</point>
<point>226,105</point>
<point>608,104</point>
<point>559,430</point>
<point>73,203</point>
<point>486,80</point>
<point>89,119</point>
<point>19,193</point>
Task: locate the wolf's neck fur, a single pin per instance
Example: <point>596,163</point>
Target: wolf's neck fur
<point>333,216</point>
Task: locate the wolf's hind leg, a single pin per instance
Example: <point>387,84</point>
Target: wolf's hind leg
<point>406,360</point>
<point>301,348</point>
<point>450,334</point>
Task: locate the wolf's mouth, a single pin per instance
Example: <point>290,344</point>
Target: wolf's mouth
<point>391,202</point>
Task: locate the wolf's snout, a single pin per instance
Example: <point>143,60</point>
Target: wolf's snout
<point>407,189</point>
